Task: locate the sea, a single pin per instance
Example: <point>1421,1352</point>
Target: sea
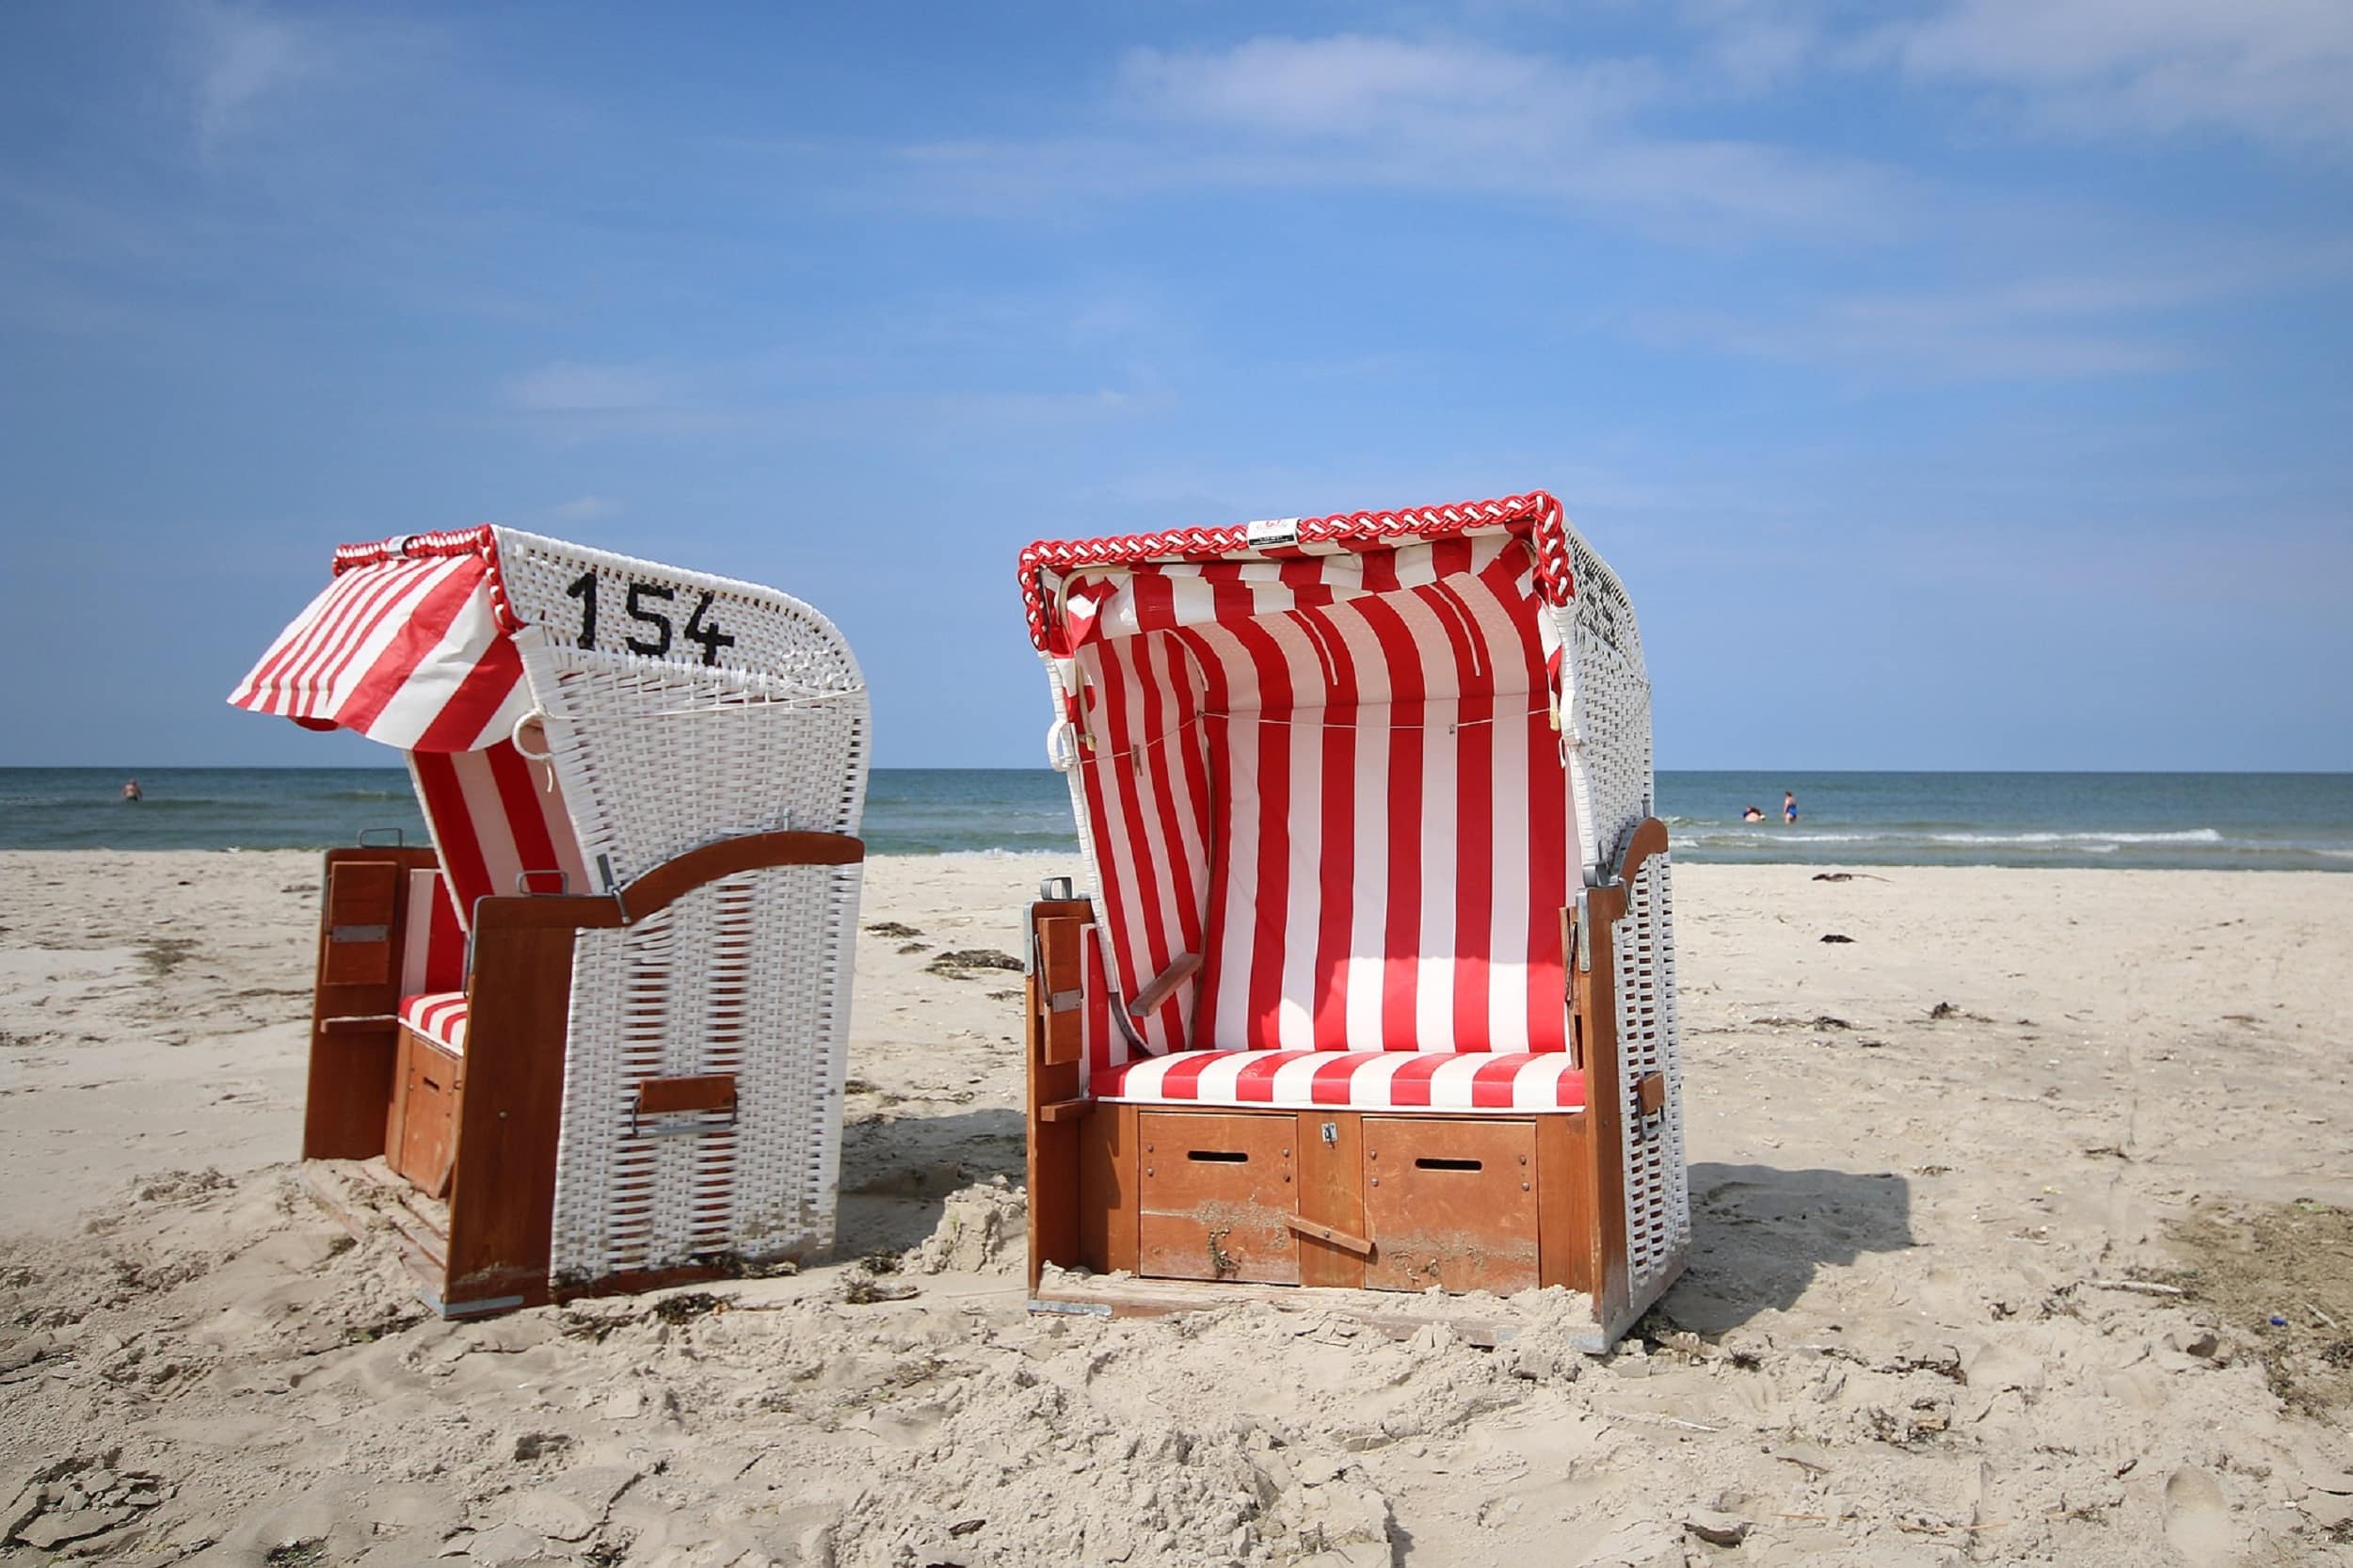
<point>2209,820</point>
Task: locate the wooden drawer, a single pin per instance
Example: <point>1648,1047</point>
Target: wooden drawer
<point>1217,1196</point>
<point>425,1113</point>
<point>1450,1200</point>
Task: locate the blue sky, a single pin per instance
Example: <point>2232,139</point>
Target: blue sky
<point>1959,384</point>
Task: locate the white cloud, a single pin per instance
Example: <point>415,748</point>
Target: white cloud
<point>243,56</point>
<point>2276,71</point>
<point>1452,118</point>
<point>2047,326</point>
<point>1459,97</point>
<point>568,387</point>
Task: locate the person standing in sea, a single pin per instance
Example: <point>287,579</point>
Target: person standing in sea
<point>1788,807</point>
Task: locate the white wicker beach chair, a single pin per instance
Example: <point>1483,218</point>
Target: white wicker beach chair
<point>1375,987</point>
<point>592,1039</point>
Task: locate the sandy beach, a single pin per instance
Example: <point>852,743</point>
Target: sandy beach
<point>2023,1233</point>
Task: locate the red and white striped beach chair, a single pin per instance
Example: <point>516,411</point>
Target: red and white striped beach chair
<point>592,1039</point>
<point>1376,985</point>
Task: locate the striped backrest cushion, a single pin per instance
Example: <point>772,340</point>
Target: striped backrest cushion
<point>433,958</point>
<point>1337,778</point>
<point>496,814</point>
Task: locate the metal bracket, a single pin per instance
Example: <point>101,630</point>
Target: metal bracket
<point>1063,1001</point>
<point>563,883</point>
<point>1055,889</point>
<point>359,933</point>
<point>1584,936</point>
<point>1331,1135</point>
<point>399,839</point>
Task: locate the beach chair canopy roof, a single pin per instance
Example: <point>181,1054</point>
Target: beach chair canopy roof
<point>427,641</point>
<point>1347,764</point>
<point>411,643</point>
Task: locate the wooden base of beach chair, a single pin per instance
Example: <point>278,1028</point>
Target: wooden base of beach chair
<point>1184,1205</point>
<point>456,1154</point>
<point>421,1140</point>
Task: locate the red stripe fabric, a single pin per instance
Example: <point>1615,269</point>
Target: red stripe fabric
<point>1336,779</point>
<point>1437,1083</point>
<point>495,816</point>
<point>411,647</point>
<point>440,1016</point>
<point>433,954</point>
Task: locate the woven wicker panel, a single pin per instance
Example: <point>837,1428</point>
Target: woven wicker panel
<point>1657,1192</point>
<point>749,975</point>
<point>658,754</point>
<point>1606,735</point>
<point>1605,707</point>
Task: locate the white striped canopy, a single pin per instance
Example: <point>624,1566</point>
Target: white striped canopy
<point>411,643</point>
<point>1330,773</point>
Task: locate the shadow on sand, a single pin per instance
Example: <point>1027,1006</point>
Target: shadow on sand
<point>897,1171</point>
<point>1758,1234</point>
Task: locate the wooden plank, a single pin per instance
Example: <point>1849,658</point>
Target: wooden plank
<point>1399,1315</point>
<point>1332,1195</point>
<point>1061,976</point>
<point>1051,1163</point>
<point>354,1045</point>
<point>662,1097</point>
<point>363,900</point>
<point>1564,1203</point>
<point>681,874</point>
<point>501,1198</point>
<point>1164,985</point>
<point>1217,1193</point>
<point>1064,1111</point>
<point>421,1141</point>
<point>1593,987</point>
<point>1107,1190</point>
<point>1310,1230</point>
<point>1450,1200</point>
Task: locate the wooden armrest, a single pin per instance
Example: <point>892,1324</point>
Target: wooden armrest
<point>1164,985</point>
<point>1649,838</point>
<point>669,882</point>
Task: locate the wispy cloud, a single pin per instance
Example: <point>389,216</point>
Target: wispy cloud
<point>570,387</point>
<point>2045,327</point>
<point>2280,72</point>
<point>243,56</point>
<point>1449,117</point>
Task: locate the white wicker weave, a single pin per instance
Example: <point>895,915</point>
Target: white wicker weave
<point>658,754</point>
<point>1607,737</point>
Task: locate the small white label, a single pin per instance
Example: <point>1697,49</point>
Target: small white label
<point>1272,531</point>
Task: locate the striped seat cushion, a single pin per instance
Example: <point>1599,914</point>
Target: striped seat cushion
<point>440,1016</point>
<point>1350,1080</point>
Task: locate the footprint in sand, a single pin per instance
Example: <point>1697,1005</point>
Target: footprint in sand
<point>2197,1517</point>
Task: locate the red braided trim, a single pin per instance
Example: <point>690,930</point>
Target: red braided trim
<point>1535,512</point>
<point>480,540</point>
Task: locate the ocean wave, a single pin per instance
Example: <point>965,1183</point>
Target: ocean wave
<point>1899,836</point>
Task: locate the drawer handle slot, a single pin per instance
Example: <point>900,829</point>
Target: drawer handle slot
<point>1433,1163</point>
<point>1219,1156</point>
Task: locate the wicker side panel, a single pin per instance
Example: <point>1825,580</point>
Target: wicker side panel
<point>1605,707</point>
<point>1658,1183</point>
<point>749,975</point>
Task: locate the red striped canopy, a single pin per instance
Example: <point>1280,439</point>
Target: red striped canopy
<point>1324,758</point>
<point>412,644</point>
